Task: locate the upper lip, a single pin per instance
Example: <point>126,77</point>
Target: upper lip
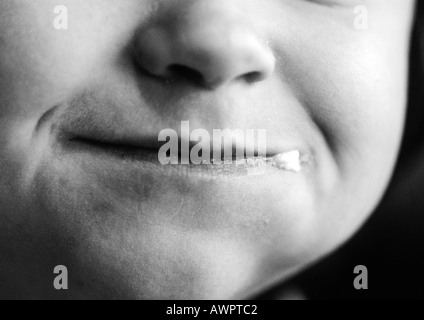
<point>115,136</point>
<point>153,146</point>
<point>148,142</point>
<point>110,125</point>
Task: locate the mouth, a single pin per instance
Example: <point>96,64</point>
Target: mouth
<point>147,156</point>
<point>95,129</point>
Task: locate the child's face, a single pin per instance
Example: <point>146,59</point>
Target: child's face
<point>127,228</point>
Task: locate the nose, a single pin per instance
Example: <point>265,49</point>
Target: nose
<point>207,43</point>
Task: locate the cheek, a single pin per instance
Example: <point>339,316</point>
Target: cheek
<point>360,106</point>
<point>351,82</point>
<point>354,88</point>
<point>41,65</point>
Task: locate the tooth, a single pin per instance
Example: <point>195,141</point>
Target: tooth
<point>288,161</point>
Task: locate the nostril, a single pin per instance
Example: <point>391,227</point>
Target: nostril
<point>183,72</point>
<point>253,77</point>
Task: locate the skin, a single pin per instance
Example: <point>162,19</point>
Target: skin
<point>319,85</point>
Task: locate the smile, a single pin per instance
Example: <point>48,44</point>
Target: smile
<point>145,159</point>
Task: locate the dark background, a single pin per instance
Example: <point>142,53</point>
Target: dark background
<point>391,246</point>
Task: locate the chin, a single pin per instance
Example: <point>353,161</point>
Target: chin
<point>158,236</point>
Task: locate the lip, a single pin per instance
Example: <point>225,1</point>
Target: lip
<point>103,132</point>
<point>147,160</point>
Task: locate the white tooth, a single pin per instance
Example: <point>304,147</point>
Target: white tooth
<point>288,161</point>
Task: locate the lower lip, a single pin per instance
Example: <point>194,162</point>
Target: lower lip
<point>147,161</point>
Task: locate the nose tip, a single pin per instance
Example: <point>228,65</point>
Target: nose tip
<point>207,44</point>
